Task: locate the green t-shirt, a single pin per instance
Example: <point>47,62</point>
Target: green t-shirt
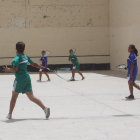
<point>73,59</point>
<point>21,61</point>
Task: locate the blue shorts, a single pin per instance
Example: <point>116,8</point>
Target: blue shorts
<point>133,79</point>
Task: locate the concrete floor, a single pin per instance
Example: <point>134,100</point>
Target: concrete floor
<point>93,109</point>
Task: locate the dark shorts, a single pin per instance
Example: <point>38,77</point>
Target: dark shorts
<point>133,79</point>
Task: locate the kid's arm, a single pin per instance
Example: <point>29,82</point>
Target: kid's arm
<point>45,63</point>
<point>69,58</point>
<point>37,66</point>
<point>14,69</point>
<point>75,62</point>
<point>40,67</point>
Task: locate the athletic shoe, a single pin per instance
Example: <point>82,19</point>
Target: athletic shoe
<point>47,112</point>
<point>131,97</point>
<point>9,116</point>
<point>72,79</point>
<point>83,78</point>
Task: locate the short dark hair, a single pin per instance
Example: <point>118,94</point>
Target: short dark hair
<point>43,51</point>
<point>20,47</point>
<point>133,47</point>
<point>71,50</point>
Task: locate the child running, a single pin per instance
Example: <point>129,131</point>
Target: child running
<point>44,60</point>
<point>76,65</point>
<point>132,70</point>
<point>22,83</point>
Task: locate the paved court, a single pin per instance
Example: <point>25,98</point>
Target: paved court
<point>93,109</point>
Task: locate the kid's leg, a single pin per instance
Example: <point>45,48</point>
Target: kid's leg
<point>40,75</point>
<point>130,83</point>
<point>39,103</point>
<point>12,104</point>
<point>80,74</point>
<point>136,86</point>
<point>47,76</point>
<point>73,74</point>
<point>31,96</point>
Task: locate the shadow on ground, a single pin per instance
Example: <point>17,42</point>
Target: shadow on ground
<point>73,118</point>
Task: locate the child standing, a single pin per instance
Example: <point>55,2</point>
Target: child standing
<point>132,70</point>
<point>76,65</point>
<point>22,83</point>
<point>44,61</point>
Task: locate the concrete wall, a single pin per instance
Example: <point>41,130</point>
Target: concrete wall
<point>56,25</point>
<point>124,29</point>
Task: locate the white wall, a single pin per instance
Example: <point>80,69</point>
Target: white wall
<point>124,29</point>
<point>56,25</point>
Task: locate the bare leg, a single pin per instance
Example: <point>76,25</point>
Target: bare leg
<point>40,75</point>
<point>47,75</point>
<point>136,86</point>
<point>73,74</point>
<point>80,73</point>
<point>35,100</point>
<point>13,102</point>
<point>130,83</point>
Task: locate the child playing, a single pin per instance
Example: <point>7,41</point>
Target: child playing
<point>132,70</point>
<point>44,60</point>
<point>22,83</point>
<point>76,65</point>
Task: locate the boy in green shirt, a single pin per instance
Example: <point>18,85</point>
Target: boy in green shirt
<point>22,83</point>
<point>76,65</point>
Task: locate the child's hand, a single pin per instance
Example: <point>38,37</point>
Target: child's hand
<point>74,67</point>
<point>5,69</point>
<point>47,70</point>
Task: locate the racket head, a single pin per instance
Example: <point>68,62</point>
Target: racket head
<point>122,66</point>
<point>61,70</point>
<point>48,52</point>
<point>74,50</point>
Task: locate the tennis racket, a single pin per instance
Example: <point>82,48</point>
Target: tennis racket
<point>122,66</point>
<point>62,73</point>
<point>48,52</point>
<point>74,50</point>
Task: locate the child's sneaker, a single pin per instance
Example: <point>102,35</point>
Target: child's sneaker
<point>72,79</point>
<point>83,78</point>
<point>131,97</point>
<point>9,116</point>
<point>47,112</point>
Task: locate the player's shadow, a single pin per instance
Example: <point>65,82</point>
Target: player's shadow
<point>19,120</point>
<point>126,115</point>
<point>75,118</point>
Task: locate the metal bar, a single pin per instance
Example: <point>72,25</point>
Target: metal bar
<point>59,56</point>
